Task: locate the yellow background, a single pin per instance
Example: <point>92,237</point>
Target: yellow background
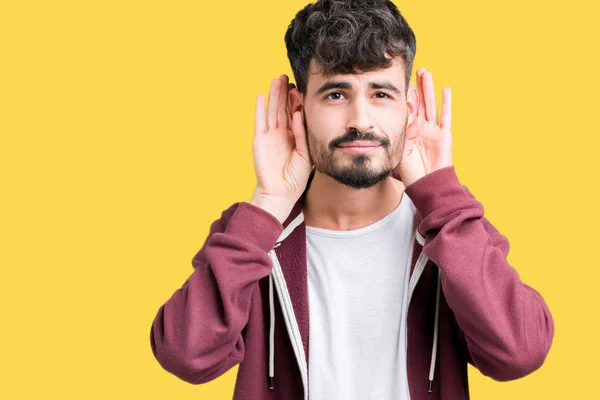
<point>126,127</point>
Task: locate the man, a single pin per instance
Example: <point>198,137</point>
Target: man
<point>373,275</point>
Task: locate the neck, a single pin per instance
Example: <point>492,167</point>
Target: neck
<point>333,205</point>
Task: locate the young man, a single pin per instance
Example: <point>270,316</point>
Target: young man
<point>373,275</point>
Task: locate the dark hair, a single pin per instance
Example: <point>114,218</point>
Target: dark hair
<point>348,36</point>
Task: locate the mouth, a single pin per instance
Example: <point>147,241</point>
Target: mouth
<point>360,147</point>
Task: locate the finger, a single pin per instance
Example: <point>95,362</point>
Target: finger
<point>421,108</point>
<point>260,119</point>
<point>300,134</point>
<point>288,115</point>
<point>430,102</point>
<point>446,117</point>
<point>273,101</point>
<point>281,107</point>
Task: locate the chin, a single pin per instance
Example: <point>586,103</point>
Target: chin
<point>359,179</point>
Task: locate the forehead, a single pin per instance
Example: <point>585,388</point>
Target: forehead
<point>395,73</point>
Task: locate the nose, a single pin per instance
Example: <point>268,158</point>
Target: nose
<point>359,118</point>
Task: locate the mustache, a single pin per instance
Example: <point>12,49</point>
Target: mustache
<point>354,135</point>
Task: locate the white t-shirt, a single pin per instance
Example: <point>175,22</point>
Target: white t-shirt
<point>357,288</point>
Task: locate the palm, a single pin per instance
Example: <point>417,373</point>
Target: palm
<point>427,144</point>
<point>281,159</point>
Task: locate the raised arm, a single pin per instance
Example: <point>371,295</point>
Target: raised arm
<point>197,333</point>
<point>507,325</point>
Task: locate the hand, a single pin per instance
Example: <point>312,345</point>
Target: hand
<point>428,146</point>
<point>281,158</point>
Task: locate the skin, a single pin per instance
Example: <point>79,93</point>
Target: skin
<point>298,131</point>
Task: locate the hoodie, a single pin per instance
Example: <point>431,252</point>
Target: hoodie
<point>246,302</point>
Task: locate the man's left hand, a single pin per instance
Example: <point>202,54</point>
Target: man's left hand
<point>428,144</point>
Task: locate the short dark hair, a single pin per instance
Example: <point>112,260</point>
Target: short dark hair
<point>348,36</point>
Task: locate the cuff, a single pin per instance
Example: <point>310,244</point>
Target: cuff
<point>254,225</point>
<point>436,190</point>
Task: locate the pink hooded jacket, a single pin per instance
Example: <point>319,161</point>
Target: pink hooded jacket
<point>246,302</point>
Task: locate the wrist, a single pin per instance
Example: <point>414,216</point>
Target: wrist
<point>280,208</point>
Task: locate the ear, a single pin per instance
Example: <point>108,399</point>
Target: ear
<point>295,102</point>
<point>412,102</point>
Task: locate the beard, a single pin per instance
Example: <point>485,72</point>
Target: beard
<point>357,171</point>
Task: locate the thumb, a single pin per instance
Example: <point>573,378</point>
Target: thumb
<point>300,134</point>
<point>396,173</point>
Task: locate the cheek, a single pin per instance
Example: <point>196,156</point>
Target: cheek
<point>392,116</point>
<point>325,124</point>
<point>393,124</point>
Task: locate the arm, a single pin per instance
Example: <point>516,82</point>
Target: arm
<point>196,335</point>
<point>507,325</point>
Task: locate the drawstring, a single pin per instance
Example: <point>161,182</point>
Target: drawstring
<point>272,330</point>
<point>286,232</point>
<point>290,323</point>
<point>435,333</point>
<point>271,335</point>
<point>421,241</point>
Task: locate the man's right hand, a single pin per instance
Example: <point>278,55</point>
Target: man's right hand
<point>281,158</point>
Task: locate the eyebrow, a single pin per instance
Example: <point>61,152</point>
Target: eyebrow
<point>345,85</point>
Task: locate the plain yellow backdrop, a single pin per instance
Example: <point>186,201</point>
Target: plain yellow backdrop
<point>126,128</point>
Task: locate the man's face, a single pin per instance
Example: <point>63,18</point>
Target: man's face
<point>355,123</point>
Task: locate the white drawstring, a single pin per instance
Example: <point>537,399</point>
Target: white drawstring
<point>435,333</point>
<point>421,241</point>
<point>286,232</point>
<point>271,335</point>
<point>289,318</point>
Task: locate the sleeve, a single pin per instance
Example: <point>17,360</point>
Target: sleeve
<point>507,326</point>
<point>197,334</point>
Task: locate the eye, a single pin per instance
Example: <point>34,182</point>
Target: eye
<point>334,96</point>
<point>385,95</point>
